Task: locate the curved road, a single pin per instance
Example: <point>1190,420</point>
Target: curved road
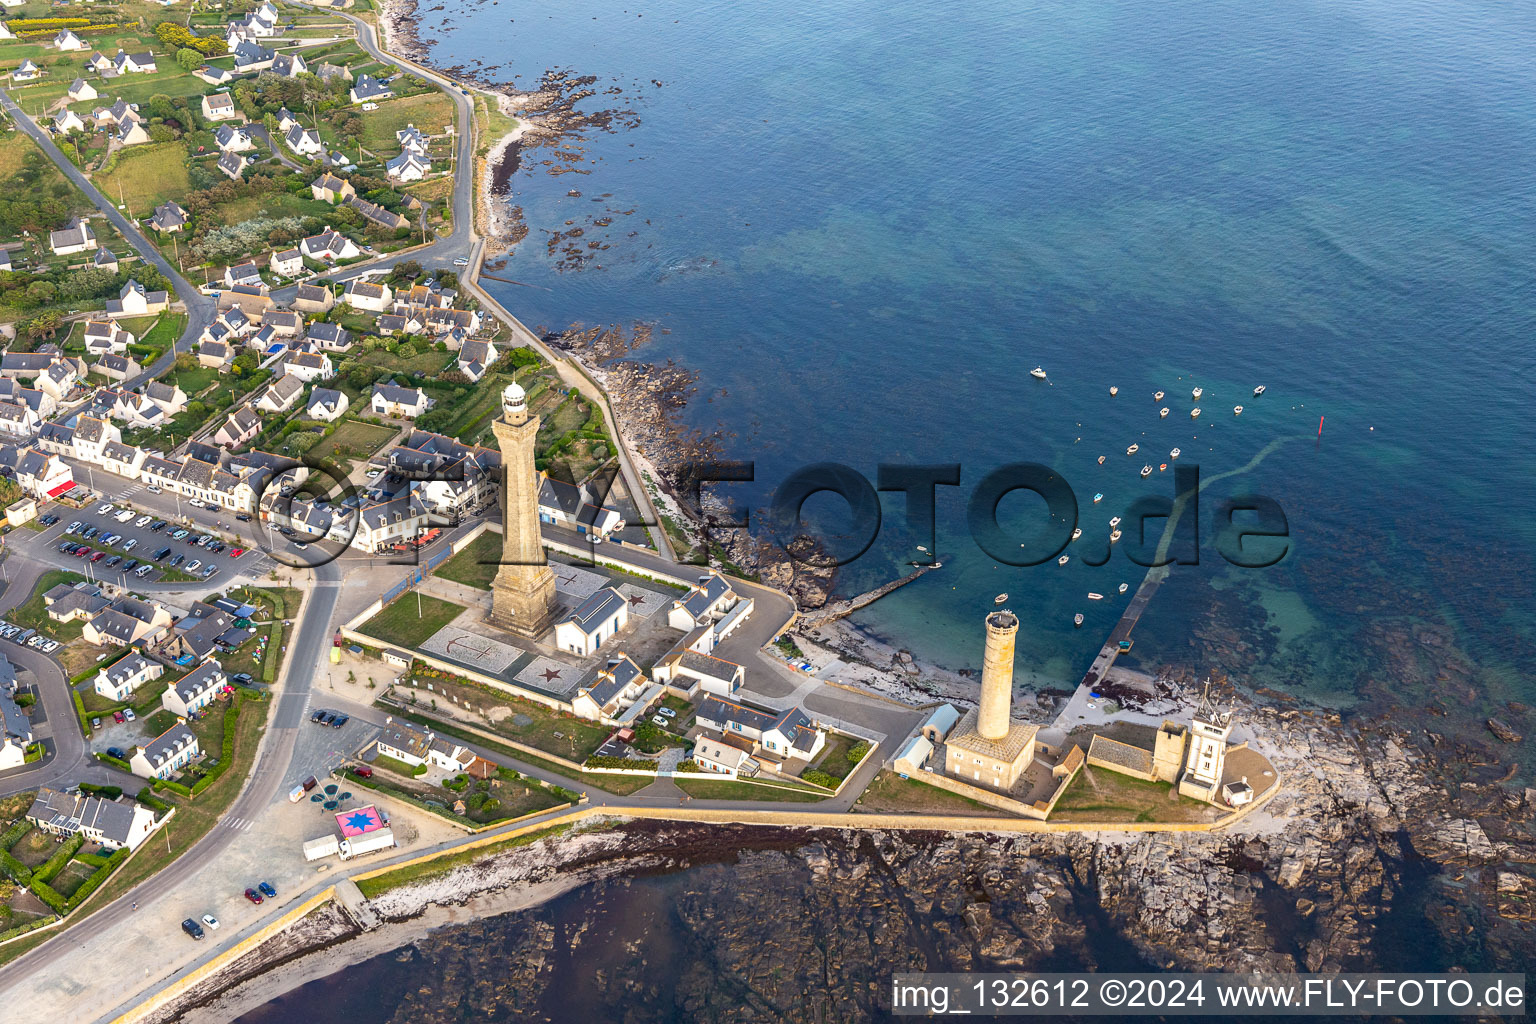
<point>201,310</point>
<point>304,656</point>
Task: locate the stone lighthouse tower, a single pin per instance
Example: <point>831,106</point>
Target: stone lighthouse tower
<point>997,676</point>
<point>987,747</point>
<point>523,592</point>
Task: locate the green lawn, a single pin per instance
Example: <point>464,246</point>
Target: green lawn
<point>353,439</point>
<point>890,793</point>
<point>143,177</point>
<point>554,732</point>
<point>431,112</point>
<point>728,789</point>
<point>411,619</point>
<point>193,381</point>
<point>477,564</point>
<point>162,335</point>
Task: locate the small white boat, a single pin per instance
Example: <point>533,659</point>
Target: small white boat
<point>1077,533</point>
<point>922,549</point>
<point>1062,560</point>
<point>1114,390</point>
<point>1197,393</point>
<point>1194,414</point>
<point>1124,587</point>
<point>1114,522</point>
<point>1000,598</point>
<point>1163,411</point>
<point>1077,620</point>
<point>1114,537</point>
<point>1146,470</point>
<point>1133,449</point>
<point>1175,453</point>
<point>1157,397</point>
<point>1237,410</point>
<point>1101,460</point>
<point>1037,373</point>
<point>1098,498</point>
<point>1258,391</point>
<point>938,565</point>
<point>1095,597</point>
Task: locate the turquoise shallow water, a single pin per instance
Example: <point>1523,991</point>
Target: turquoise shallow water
<point>862,224</point>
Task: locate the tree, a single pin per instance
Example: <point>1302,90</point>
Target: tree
<point>189,59</point>
<point>186,361</point>
<point>46,322</point>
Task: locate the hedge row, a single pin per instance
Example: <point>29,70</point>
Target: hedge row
<point>689,765</point>
<point>19,872</point>
<point>22,929</point>
<point>45,892</point>
<point>106,792</point>
<point>85,719</point>
<point>226,746</point>
<point>819,778</point>
<point>114,761</point>
<point>148,799</point>
<point>78,30</point>
<point>53,865</point>
<point>99,876</point>
<point>606,761</point>
<point>19,24</point>
<point>174,787</point>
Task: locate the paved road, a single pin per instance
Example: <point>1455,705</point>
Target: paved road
<point>261,787</point>
<point>201,310</point>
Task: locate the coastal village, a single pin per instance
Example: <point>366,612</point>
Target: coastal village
<point>328,580</point>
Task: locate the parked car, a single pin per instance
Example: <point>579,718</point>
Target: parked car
<point>49,646</point>
<point>98,556</point>
<point>152,489</point>
<point>132,543</point>
<point>65,547</point>
<point>142,521</point>
<point>236,552</point>
<point>173,563</point>
<point>253,895</point>
<point>95,723</point>
<point>209,570</point>
<point>211,921</point>
<point>340,720</point>
<point>267,890</point>
<point>362,771</point>
<point>242,517</point>
<point>117,752</point>
<point>131,564</point>
<point>194,565</point>
<point>158,526</point>
<point>160,555</point>
<point>666,712</point>
<point>90,532</point>
<point>128,713</point>
<point>117,716</point>
<point>178,535</point>
<point>72,527</point>
<point>141,570</point>
<point>318,715</point>
<point>104,510</point>
<point>125,515</point>
<point>82,552</point>
<point>192,928</point>
<point>243,678</point>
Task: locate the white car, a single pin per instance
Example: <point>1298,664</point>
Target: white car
<point>125,515</point>
<point>152,489</point>
<point>461,262</point>
<point>658,720</point>
<point>104,510</point>
<point>128,714</point>
<point>211,921</point>
<point>666,712</point>
<point>194,565</point>
<point>143,521</point>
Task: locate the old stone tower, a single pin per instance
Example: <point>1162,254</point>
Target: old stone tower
<point>987,747</point>
<point>523,592</point>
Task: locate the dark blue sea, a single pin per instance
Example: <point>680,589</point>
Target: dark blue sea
<point>863,224</point>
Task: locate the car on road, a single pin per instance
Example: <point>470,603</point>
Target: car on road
<point>192,928</point>
<point>152,489</point>
<point>117,716</point>
<point>300,545</point>
<point>211,921</point>
<point>253,895</point>
<point>340,720</point>
<point>194,502</point>
<point>267,890</point>
<point>128,713</point>
<point>242,517</point>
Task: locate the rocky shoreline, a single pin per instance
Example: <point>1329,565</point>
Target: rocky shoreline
<point>1377,855</point>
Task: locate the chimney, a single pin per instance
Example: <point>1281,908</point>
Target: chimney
<point>997,676</point>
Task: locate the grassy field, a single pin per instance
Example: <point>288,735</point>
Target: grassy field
<point>477,564</point>
<point>890,793</point>
<point>560,734</point>
<point>1098,794</point>
<point>193,381</point>
<point>33,614</point>
<point>353,439</point>
<point>146,176</point>
<point>371,887</point>
<point>400,623</point>
<point>834,758</point>
<point>162,335</point>
<point>727,789</point>
<point>431,112</point>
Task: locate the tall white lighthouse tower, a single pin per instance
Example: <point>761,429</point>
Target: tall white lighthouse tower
<point>1207,750</point>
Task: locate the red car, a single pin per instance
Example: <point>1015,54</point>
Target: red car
<point>83,552</point>
<point>253,895</point>
<point>98,556</point>
<point>236,552</point>
<point>117,716</point>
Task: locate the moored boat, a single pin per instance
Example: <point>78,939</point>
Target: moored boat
<point>1163,411</point>
<point>1258,391</point>
<point>1197,393</point>
<point>1133,449</point>
<point>1146,470</point>
<point>1098,498</point>
<point>1077,533</point>
<point>1157,397</point>
<point>1095,597</point>
<point>1101,460</point>
<point>1124,587</point>
<point>1077,620</point>
<point>1194,414</point>
<point>1062,560</point>
<point>1000,598</point>
<point>1237,410</point>
<point>1114,522</point>
<point>1113,390</point>
<point>1175,453</point>
<point>1037,373</point>
<point>1114,537</point>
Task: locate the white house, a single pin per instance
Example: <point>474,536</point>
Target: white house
<point>118,680</point>
<point>781,736</point>
<point>573,507</point>
<point>329,245</point>
<point>134,63</point>
<point>169,216</point>
<point>117,825</point>
<point>619,694</point>
<point>78,237</point>
<point>408,166</point>
<point>287,262</point>
<point>131,133</point>
<point>281,394</point>
<point>195,690</point>
<point>69,121</point>
<point>219,106</point>
<point>369,89</point>
<point>67,41</point>
<point>596,619</point>
<point>232,165</point>
<point>26,71</point>
<point>80,89</point>
<point>234,139</point>
<point>103,337</point>
<point>392,400</point>
<point>303,141</point>
<point>136,300</point>
<point>241,426</point>
<point>309,366</point>
<point>166,754</point>
<point>326,405</point>
<point>404,743</point>
<point>366,295</point>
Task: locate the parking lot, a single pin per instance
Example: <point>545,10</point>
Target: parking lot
<point>118,540</point>
<point>27,637</point>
